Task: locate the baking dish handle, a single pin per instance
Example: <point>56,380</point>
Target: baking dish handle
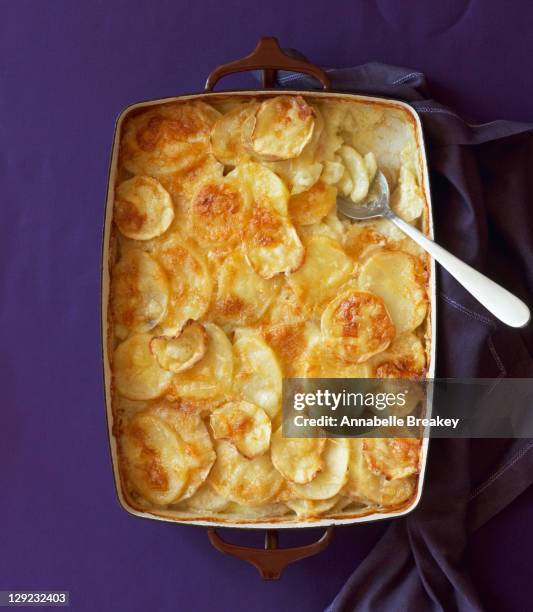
<point>268,57</point>
<point>270,560</point>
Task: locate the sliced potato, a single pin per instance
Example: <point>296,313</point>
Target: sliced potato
<point>154,458</point>
<point>308,508</point>
<point>358,174</point>
<point>366,486</point>
<point>342,503</point>
<point>299,174</point>
<point>219,212</point>
<point>243,424</point>
<point>359,325</point>
<point>364,237</point>
<point>333,476</point>
<point>257,513</point>
<point>286,308</point>
<point>167,138</point>
<point>139,293</point>
<point>325,269</point>
<point>207,500</point>
<point>258,376</point>
<point>271,243</point>
<point>181,352</point>
<point>333,172</point>
<point>242,295</point>
<point>137,374</point>
<point>184,185</point>
<point>302,172</point>
<point>126,408</point>
<point>313,205</point>
<point>280,128</point>
<point>333,116</point>
<point>196,443</point>
<point>325,228</point>
<point>226,136</point>
<point>336,226</point>
<point>407,200</point>
<point>393,457</point>
<point>212,375</point>
<point>299,460</point>
<point>225,104</point>
<point>251,482</point>
<point>399,279</point>
<point>371,166</point>
<point>323,361</point>
<point>290,342</point>
<point>405,358</point>
<point>143,208</point>
<point>190,283</point>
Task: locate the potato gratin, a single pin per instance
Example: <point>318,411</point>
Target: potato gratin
<point>231,270</point>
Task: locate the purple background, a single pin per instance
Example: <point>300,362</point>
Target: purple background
<point>66,70</point>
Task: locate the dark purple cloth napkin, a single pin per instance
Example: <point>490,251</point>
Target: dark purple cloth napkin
<point>482,186</point>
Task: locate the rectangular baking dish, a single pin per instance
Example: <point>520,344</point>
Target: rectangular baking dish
<point>269,58</point>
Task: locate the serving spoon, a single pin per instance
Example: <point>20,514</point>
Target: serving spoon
<point>500,302</point>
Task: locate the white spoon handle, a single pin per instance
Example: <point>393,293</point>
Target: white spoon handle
<point>503,304</point>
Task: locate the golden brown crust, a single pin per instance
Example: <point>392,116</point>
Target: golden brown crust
<point>244,425</point>
<point>405,358</point>
<point>219,213</point>
<point>359,325</point>
<point>181,352</point>
<point>280,128</point>
<point>313,205</point>
<point>227,142</point>
<point>393,457</point>
<point>290,342</point>
<point>143,208</point>
<point>140,293</point>
<point>168,138</point>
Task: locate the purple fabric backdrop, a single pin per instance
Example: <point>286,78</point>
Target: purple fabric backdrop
<point>66,70</point>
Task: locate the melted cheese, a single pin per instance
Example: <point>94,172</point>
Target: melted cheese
<point>140,296</point>
<point>280,128</point>
<point>211,376</point>
<point>168,138</point>
<point>219,212</point>
<point>258,377</point>
<point>367,486</point>
<point>271,243</point>
<point>138,376</point>
<point>245,425</point>
<point>313,205</point>
<point>326,267</point>
<point>226,136</point>
<point>190,282</point>
<point>180,352</point>
<point>250,482</point>
<point>330,480</point>
<point>397,278</point>
<point>299,460</point>
<point>155,459</point>
<point>143,208</point>
<point>358,324</point>
<point>242,295</point>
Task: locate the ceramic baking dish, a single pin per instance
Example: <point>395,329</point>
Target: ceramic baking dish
<point>267,57</point>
